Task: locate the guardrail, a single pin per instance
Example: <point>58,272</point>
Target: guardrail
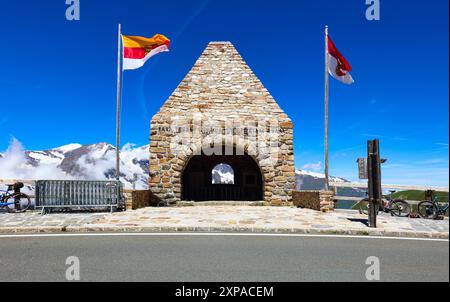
<point>72,194</point>
<point>337,185</point>
<point>358,199</point>
<point>387,186</point>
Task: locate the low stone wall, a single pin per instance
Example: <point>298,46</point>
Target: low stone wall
<point>307,199</point>
<point>137,199</point>
<point>327,201</point>
<point>314,200</point>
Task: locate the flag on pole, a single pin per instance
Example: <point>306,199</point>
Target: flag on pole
<point>338,66</point>
<point>137,50</point>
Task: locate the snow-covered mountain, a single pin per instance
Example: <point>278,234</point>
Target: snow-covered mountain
<point>97,162</point>
<point>307,180</point>
<point>223,174</point>
<point>75,161</point>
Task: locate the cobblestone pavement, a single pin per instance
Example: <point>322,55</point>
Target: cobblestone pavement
<point>258,219</point>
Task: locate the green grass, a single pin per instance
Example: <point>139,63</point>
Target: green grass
<point>419,195</point>
<point>414,195</point>
<point>357,206</point>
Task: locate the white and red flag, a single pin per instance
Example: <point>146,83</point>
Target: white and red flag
<point>338,66</point>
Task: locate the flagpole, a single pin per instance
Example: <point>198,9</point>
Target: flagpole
<point>327,183</point>
<point>119,73</point>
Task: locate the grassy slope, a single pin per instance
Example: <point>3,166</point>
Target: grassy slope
<point>413,195</point>
<point>420,195</point>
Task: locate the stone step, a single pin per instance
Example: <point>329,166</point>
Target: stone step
<point>221,203</point>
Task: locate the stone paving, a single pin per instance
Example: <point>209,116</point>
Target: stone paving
<point>258,219</point>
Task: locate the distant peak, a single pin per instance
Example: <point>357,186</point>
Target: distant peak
<point>68,148</point>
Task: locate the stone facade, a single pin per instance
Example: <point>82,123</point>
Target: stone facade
<point>137,199</point>
<point>221,106</point>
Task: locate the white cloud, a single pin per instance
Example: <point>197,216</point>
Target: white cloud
<point>313,166</point>
<point>101,159</point>
<point>442,144</point>
<point>433,161</point>
<point>14,165</point>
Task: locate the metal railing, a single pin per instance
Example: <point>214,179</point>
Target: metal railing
<point>388,186</point>
<point>223,192</point>
<point>75,195</point>
<point>341,198</point>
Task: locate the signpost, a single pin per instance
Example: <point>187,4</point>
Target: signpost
<point>362,168</point>
<point>370,168</point>
<point>374,184</point>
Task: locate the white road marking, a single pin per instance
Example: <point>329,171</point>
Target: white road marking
<point>215,234</point>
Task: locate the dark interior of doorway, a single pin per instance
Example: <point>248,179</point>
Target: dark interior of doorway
<point>197,179</point>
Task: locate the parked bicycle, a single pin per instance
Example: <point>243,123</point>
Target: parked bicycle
<point>13,200</point>
<point>432,209</point>
<point>396,207</point>
<point>162,204</point>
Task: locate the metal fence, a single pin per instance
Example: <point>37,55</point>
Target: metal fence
<point>77,195</point>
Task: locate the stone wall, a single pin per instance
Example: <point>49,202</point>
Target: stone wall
<point>314,200</point>
<point>306,199</point>
<point>137,199</point>
<point>221,92</point>
<point>327,201</point>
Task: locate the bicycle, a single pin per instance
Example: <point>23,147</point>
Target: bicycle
<point>162,204</point>
<point>16,201</point>
<point>396,207</point>
<point>432,209</point>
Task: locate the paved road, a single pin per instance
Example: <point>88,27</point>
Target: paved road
<point>221,258</point>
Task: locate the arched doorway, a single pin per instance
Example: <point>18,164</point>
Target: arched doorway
<point>222,177</point>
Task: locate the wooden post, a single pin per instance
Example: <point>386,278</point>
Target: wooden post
<point>374,182</point>
<point>372,219</point>
<point>119,73</point>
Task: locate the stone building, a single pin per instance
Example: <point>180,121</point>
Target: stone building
<point>221,114</point>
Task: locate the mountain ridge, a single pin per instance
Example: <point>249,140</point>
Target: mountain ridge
<point>97,162</point>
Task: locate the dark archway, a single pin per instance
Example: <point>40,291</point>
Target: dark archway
<point>198,184</point>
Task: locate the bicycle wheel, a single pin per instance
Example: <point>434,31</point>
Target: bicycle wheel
<point>427,210</point>
<point>161,204</point>
<point>20,203</point>
<point>400,208</point>
<point>365,205</point>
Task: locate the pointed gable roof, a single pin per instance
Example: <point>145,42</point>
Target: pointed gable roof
<point>221,85</point>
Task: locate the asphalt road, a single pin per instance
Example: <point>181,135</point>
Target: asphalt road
<point>221,258</point>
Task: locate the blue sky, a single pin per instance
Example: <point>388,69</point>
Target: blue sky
<point>58,78</point>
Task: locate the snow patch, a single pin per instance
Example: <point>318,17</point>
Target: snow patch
<point>44,158</point>
<point>15,165</point>
<point>319,176</point>
<point>222,174</point>
<point>67,148</point>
